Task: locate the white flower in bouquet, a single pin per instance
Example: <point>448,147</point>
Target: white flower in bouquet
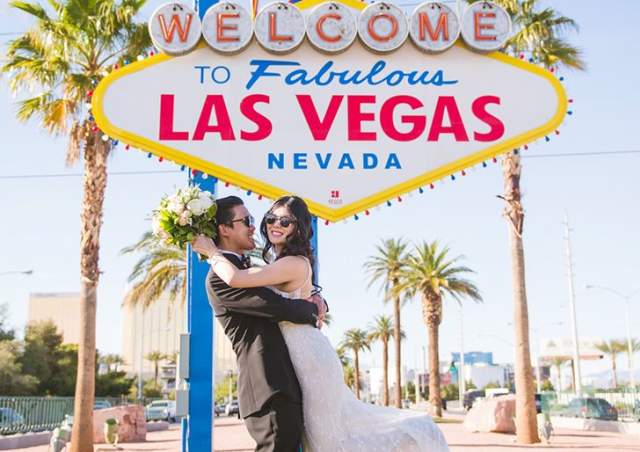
<point>184,215</point>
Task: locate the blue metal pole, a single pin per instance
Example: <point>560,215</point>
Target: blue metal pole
<point>314,247</point>
<point>201,346</point>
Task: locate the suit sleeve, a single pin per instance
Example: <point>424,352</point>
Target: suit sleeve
<point>262,302</point>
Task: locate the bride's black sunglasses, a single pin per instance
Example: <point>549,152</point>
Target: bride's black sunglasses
<point>285,222</point>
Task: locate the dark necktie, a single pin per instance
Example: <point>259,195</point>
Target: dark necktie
<point>246,261</point>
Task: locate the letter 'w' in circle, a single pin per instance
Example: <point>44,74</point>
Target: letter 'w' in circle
<point>183,32</point>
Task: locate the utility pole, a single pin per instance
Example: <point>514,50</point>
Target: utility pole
<point>462,384</point>
<point>572,302</point>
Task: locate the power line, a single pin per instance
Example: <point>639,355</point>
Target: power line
<point>152,172</point>
<point>583,154</point>
<point>113,173</point>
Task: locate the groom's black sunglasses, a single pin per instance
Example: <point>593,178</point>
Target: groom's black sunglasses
<point>285,222</point>
<point>248,221</point>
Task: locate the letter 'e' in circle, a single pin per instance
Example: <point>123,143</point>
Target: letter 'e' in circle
<point>227,28</point>
<point>485,26</point>
<point>383,27</point>
<point>175,28</point>
<point>331,28</point>
<point>280,27</point>
<point>434,27</point>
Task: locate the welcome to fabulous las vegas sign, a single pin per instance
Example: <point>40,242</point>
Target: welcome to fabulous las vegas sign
<point>344,104</point>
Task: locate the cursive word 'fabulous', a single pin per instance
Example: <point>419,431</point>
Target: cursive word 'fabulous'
<point>378,74</point>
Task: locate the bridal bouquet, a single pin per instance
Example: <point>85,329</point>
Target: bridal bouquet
<point>183,215</point>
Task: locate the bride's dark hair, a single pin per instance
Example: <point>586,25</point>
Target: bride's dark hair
<point>299,242</point>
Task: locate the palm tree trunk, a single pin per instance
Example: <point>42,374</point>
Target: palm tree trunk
<point>398,340</point>
<point>435,400</point>
<point>385,373</point>
<point>357,365</point>
<point>95,182</point>
<point>613,369</point>
<point>526,425</point>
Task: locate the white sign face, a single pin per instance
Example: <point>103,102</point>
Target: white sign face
<point>345,131</point>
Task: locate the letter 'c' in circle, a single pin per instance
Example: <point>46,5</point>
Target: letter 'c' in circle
<point>220,78</point>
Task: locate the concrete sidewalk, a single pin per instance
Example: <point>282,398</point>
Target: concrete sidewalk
<point>231,436</point>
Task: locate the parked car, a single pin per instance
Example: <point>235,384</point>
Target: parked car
<point>101,404</point>
<point>232,408</point>
<point>591,408</point>
<point>219,408</point>
<point>9,417</point>
<point>470,397</point>
<point>161,410</point>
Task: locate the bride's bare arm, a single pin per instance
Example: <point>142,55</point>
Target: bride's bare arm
<point>282,271</point>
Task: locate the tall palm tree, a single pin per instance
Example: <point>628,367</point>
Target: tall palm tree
<point>558,362</point>
<point>382,330</point>
<point>161,269</point>
<point>635,347</point>
<point>613,348</point>
<point>356,340</point>
<point>347,368</point>
<point>538,32</point>
<point>431,274</point>
<point>155,357</point>
<point>62,57</point>
<point>112,360</point>
<point>385,267</point>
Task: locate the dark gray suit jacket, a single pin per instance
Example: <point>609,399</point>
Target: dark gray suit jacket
<point>249,318</point>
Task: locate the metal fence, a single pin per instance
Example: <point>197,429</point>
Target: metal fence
<point>627,403</point>
<point>36,414</point>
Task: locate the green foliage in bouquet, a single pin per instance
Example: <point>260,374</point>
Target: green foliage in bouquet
<point>184,215</point>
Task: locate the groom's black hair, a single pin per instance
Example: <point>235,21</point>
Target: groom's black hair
<point>224,214</point>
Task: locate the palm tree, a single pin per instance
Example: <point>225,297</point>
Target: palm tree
<point>558,362</point>
<point>382,330</point>
<point>431,274</point>
<point>612,348</point>
<point>635,347</point>
<point>385,267</point>
<point>155,357</point>
<point>356,340</point>
<point>112,360</point>
<point>72,44</point>
<point>161,269</point>
<point>537,33</point>
<point>347,368</point>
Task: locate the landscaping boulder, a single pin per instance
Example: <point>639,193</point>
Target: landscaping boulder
<point>496,414</point>
<point>132,425</point>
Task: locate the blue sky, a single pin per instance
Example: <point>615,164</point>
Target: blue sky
<point>40,226</point>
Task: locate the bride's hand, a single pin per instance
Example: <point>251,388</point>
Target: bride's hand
<point>204,245</point>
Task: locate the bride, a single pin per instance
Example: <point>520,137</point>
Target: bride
<point>334,419</point>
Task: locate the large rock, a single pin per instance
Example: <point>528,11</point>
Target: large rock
<point>132,425</point>
<point>496,414</point>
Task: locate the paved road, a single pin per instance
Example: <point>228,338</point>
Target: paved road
<point>231,436</point>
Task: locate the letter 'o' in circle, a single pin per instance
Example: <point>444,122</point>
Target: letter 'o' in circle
<point>434,27</point>
<point>331,27</point>
<point>280,27</point>
<point>383,27</point>
<point>175,28</point>
<point>227,27</point>
<point>485,26</point>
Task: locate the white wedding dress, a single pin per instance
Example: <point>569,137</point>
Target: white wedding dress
<point>334,419</point>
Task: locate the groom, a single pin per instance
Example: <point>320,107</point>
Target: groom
<point>268,390</point>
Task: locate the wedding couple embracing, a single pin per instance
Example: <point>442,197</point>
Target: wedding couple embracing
<point>291,388</point>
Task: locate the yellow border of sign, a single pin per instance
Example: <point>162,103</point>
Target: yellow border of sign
<point>318,209</point>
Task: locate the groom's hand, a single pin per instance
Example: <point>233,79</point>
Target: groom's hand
<point>322,308</point>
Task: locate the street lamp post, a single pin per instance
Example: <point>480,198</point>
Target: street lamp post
<point>627,302</point>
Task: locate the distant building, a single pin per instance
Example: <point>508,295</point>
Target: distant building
<point>158,328</point>
<point>63,309</point>
<point>471,358</point>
